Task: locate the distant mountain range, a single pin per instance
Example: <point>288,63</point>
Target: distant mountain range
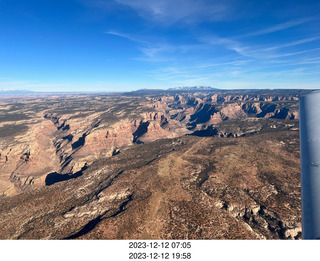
<point>174,89</point>
<point>13,92</point>
<point>193,88</point>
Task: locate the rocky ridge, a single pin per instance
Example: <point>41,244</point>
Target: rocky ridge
<point>65,143</point>
<point>182,188</point>
<point>71,140</point>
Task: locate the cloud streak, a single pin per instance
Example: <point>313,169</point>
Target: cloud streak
<point>156,50</point>
<point>150,51</point>
<point>172,11</point>
<point>278,27</point>
<point>126,36</point>
<point>293,43</point>
<point>215,55</point>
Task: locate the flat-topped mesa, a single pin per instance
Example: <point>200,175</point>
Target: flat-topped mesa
<point>221,98</point>
<point>160,124</point>
<point>207,164</point>
<point>64,136</point>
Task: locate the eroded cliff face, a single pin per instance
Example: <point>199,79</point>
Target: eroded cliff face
<point>27,158</point>
<point>181,188</point>
<point>230,115</point>
<point>65,138</point>
<point>113,166</point>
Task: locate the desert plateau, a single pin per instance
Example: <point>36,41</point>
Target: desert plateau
<point>151,164</point>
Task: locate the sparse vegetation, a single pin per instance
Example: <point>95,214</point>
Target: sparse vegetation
<point>10,130</point>
<point>201,165</point>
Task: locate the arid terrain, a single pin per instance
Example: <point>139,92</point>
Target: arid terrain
<point>175,164</point>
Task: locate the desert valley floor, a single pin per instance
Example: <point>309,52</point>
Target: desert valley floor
<point>151,165</point>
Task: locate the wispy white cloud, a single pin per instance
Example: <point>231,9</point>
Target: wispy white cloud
<point>126,36</point>
<point>156,50</point>
<point>294,53</point>
<point>236,43</point>
<point>258,51</point>
<point>150,51</point>
<point>226,43</point>
<point>230,57</point>
<point>265,54</point>
<point>171,11</point>
<point>293,43</point>
<point>307,61</point>
<point>279,27</point>
<point>219,64</point>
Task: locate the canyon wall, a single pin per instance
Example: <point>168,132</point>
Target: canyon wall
<point>65,139</point>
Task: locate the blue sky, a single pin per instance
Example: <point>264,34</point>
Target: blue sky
<point>121,45</point>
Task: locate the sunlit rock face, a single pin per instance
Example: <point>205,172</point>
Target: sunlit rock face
<point>198,164</point>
